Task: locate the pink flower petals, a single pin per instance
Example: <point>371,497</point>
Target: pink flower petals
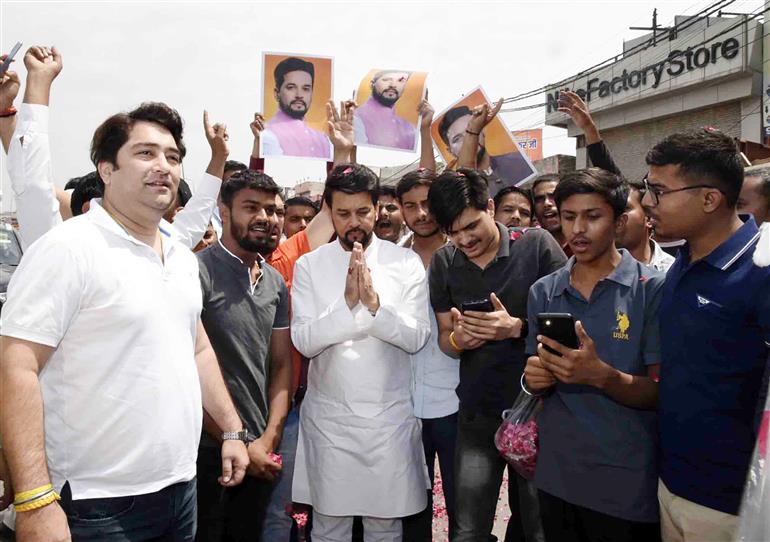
<point>518,444</point>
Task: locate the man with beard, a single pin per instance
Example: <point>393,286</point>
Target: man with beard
<point>390,220</point>
<point>434,374</point>
<point>359,308</point>
<point>246,315</point>
<point>459,134</point>
<point>287,133</point>
<point>376,121</point>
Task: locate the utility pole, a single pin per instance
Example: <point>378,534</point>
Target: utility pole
<point>655,28</point>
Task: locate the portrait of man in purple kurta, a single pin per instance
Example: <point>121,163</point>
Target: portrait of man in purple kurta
<point>287,133</point>
<point>376,121</point>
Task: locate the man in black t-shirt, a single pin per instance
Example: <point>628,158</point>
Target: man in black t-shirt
<point>486,261</point>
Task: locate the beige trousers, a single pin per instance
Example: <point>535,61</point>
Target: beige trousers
<point>685,521</point>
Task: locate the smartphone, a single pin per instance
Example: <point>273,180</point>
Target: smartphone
<point>560,327</point>
<point>478,305</point>
<point>7,62</point>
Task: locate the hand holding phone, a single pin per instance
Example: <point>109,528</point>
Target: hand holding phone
<point>8,59</point>
<point>576,361</point>
<point>478,305</point>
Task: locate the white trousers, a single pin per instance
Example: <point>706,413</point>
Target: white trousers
<point>340,529</point>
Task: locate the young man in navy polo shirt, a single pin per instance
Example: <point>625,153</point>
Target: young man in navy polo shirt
<point>596,471</point>
<point>714,321</point>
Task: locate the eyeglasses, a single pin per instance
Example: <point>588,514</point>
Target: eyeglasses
<point>656,193</point>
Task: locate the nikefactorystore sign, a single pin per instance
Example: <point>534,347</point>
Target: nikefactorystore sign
<point>702,54</point>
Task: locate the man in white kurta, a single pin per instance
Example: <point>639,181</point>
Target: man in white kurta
<point>360,450</point>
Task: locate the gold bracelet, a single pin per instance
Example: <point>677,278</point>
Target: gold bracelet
<point>453,343</point>
<point>24,495</point>
<point>45,500</point>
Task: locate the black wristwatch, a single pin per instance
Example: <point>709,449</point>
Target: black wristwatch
<point>242,435</point>
<point>524,329</point>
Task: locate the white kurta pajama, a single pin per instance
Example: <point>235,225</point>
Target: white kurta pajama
<point>360,447</point>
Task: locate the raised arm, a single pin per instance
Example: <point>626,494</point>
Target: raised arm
<point>29,152</point>
<point>192,221</point>
<point>339,126</point>
<point>427,158</point>
<point>482,115</point>
<point>576,108</point>
<point>256,126</point>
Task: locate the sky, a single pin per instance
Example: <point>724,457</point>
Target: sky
<point>207,55</point>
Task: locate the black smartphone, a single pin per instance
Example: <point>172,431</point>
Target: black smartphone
<point>560,327</point>
<point>478,305</point>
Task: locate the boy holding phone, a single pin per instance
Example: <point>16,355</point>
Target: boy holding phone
<point>596,471</point>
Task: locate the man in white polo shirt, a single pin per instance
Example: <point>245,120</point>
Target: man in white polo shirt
<point>105,368</point>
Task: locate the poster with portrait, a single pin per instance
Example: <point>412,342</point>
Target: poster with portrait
<point>295,89</point>
<point>498,154</point>
<point>387,115</point>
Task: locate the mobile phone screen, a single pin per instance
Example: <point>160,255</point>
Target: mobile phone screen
<point>560,327</point>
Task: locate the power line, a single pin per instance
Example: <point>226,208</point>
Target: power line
<point>645,92</point>
<point>690,21</point>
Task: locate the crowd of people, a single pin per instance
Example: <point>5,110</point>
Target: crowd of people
<point>225,364</point>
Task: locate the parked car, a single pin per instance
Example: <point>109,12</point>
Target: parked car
<point>10,255</point>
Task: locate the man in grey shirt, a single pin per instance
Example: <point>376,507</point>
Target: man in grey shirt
<point>245,312</point>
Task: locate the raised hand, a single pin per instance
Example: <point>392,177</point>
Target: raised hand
<point>43,62</point>
<point>339,124</point>
<point>217,137</point>
<point>257,125</point>
<point>43,65</point>
<point>483,115</point>
<point>9,87</point>
<point>426,114</point>
<point>572,104</point>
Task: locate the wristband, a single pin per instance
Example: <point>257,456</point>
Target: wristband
<point>47,498</point>
<point>472,133</point>
<point>32,493</point>
<point>526,390</point>
<point>5,113</point>
<point>453,343</point>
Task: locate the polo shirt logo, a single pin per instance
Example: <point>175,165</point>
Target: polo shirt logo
<point>621,332</point>
<point>703,301</point>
